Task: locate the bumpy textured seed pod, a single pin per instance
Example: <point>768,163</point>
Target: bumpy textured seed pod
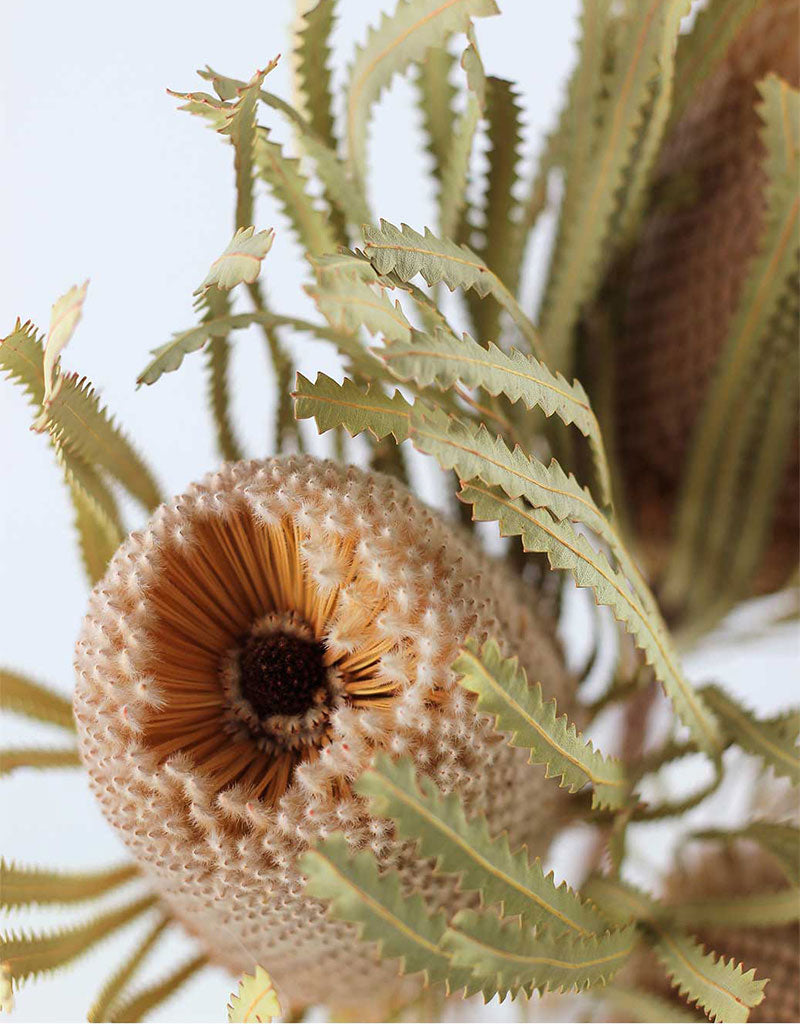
<point>685,276</point>
<point>739,869</point>
<point>239,664</point>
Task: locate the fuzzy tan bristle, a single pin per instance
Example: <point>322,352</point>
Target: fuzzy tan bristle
<point>217,776</point>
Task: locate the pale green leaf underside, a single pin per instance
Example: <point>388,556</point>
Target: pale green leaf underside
<point>520,709</point>
<point>646,1007</point>
<point>347,405</point>
<point>463,847</point>
<point>240,261</point>
<point>254,1000</point>
<point>64,317</point>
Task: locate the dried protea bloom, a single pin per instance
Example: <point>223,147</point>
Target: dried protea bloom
<point>741,868</point>
<point>685,277</point>
<point>240,663</point>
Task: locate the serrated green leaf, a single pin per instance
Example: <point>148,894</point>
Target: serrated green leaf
<point>720,987</point>
<point>312,52</point>
<point>290,187</point>
<point>80,423</point>
<point>30,955</point>
<point>756,910</point>
<point>217,305</point>
<point>771,281</point>
<point>64,317</point>
<point>154,995</point>
<point>436,98</point>
<point>646,1007</point>
<point>497,214</point>
<point>463,847</point>
<point>21,357</point>
<point>348,303</point>
<point>444,359</point>
<point>520,709</point>
<point>408,253</point>
<point>102,1007</point>
<point>702,50</point>
<point>14,758</point>
<point>456,161</point>
<point>20,886</point>
<point>781,840</point>
<point>568,550</point>
<point>97,519</point>
<point>643,36</point>
<point>509,956</point>
<point>763,738</point>
<point>240,262</point>
<point>254,1000</point>
<point>399,40</point>
<point>347,405</point>
<point>23,696</point>
<point>400,925</point>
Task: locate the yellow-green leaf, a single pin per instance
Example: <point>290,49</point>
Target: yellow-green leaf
<point>240,261</point>
<point>255,999</point>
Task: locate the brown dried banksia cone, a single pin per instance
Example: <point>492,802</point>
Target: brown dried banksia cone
<point>681,284</point>
<point>738,869</point>
<point>240,663</point>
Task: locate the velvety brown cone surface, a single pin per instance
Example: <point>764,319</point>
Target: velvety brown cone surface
<point>685,277</point>
<point>740,869</point>
<point>241,661</point>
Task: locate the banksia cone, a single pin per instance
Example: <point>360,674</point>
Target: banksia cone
<point>739,869</point>
<point>684,278</point>
<point>241,661</point>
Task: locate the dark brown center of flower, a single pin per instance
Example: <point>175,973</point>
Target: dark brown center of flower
<point>281,674</point>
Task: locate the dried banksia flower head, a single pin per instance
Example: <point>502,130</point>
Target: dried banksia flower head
<point>240,663</point>
<point>685,279</point>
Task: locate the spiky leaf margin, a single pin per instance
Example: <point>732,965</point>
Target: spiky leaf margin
<point>254,1000</point>
<point>519,709</point>
<point>356,409</point>
<point>21,886</point>
<point>463,847</point>
<point>240,262</point>
<point>24,696</point>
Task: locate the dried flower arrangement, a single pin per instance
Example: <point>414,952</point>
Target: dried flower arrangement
<point>332,730</point>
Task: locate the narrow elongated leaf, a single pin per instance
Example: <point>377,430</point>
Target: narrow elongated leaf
<point>154,995</point>
<point>400,925</point>
<point>347,405</point>
<point>782,841</point>
<point>638,1005</point>
<point>11,759</point>
<point>771,278</point>
<point>568,550</point>
<point>80,423</point>
<point>702,50</point>
<point>240,262</point>
<point>436,98</point>
<point>217,304</point>
<point>399,40</point>
<point>254,1000</point>
<point>64,317</point>
<point>520,709</point>
<point>97,519</point>
<point>312,53</point>
<point>444,359</point>
<point>101,1008</point>
<point>507,957</point>
<point>408,253</point>
<point>463,847</point>
<point>20,886</point>
<point>765,739</point>
<point>290,188</point>
<point>758,910</point>
<point>30,955</point>
<point>497,215</point>
<point>583,254</point>
<point>23,696</point>
<point>456,161</point>
<point>348,303</point>
<point>721,987</point>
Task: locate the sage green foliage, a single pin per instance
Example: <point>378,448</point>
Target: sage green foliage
<point>520,710</point>
<point>20,886</point>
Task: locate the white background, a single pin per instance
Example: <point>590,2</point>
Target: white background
<point>102,178</point>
